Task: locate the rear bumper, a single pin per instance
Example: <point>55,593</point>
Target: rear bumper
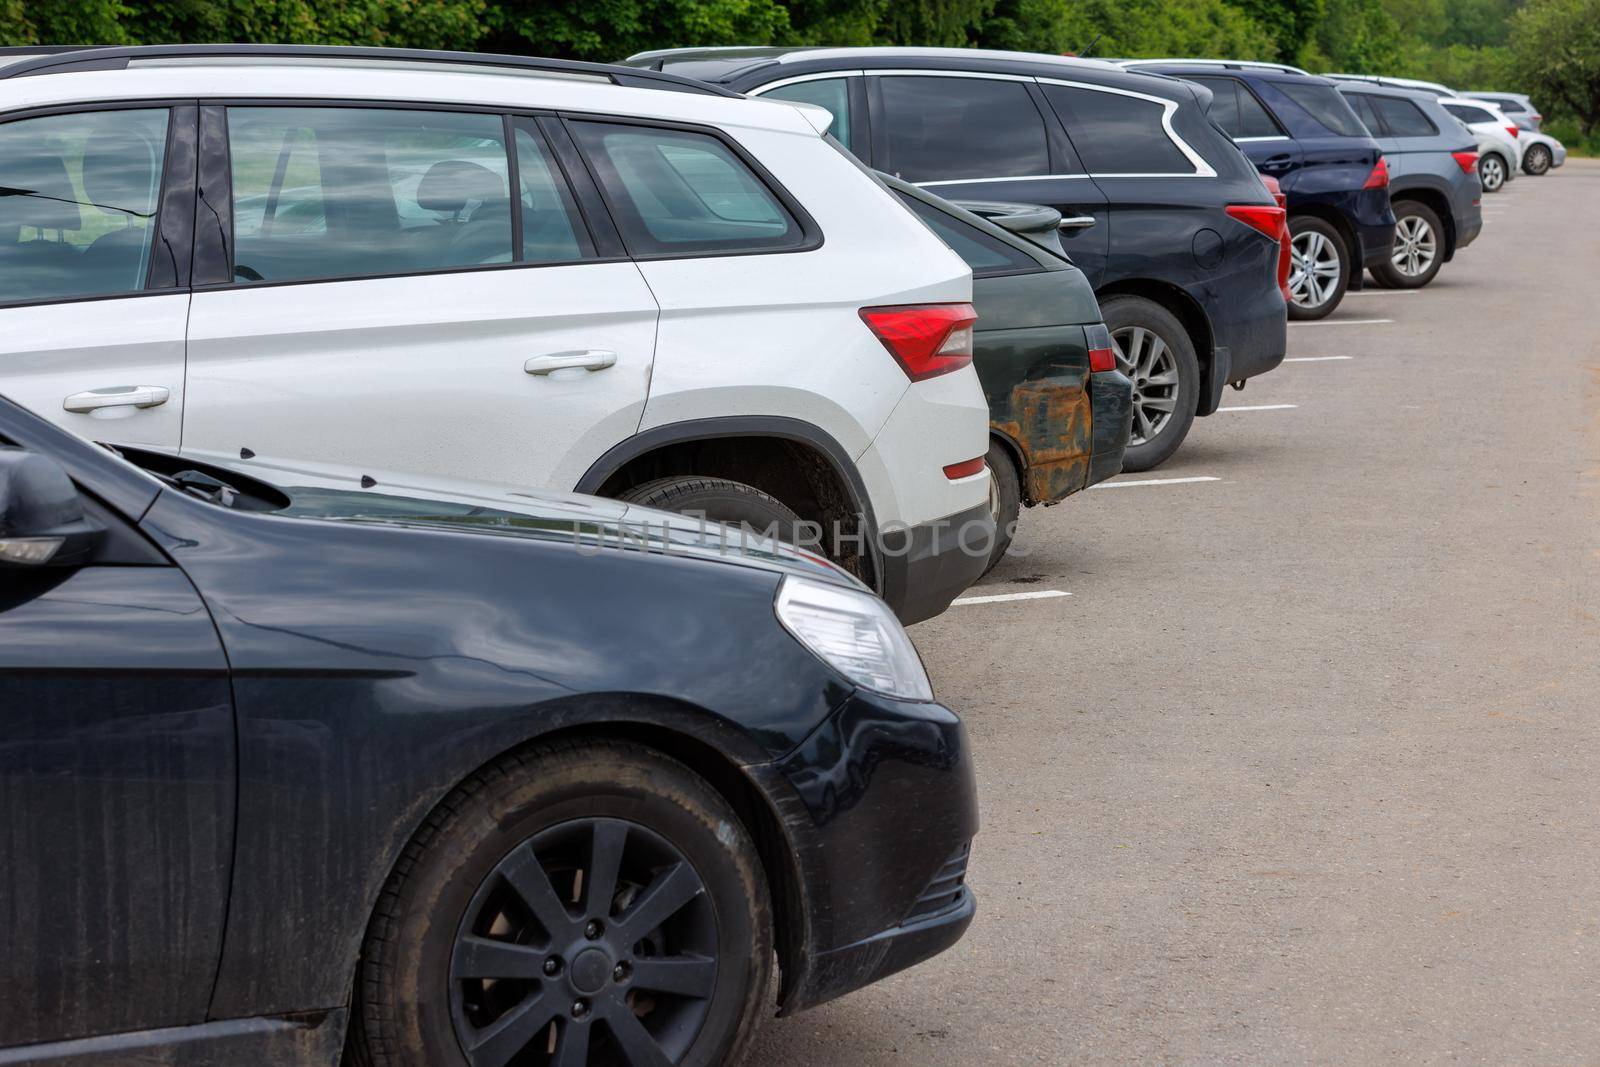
<point>1111,400</point>
<point>925,567</point>
<point>880,806</point>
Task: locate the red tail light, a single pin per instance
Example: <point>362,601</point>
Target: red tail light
<point>1513,131</point>
<point>1467,161</point>
<point>1101,355</point>
<point>1274,222</point>
<point>1276,189</point>
<point>1379,178</point>
<point>964,469</point>
<point>927,340</point>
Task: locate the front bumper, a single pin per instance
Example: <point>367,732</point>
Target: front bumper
<point>880,806</point>
<point>925,567</point>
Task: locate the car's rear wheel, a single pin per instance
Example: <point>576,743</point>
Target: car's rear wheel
<point>1418,251</point>
<point>1318,268</point>
<point>1005,500</point>
<point>1536,160</point>
<point>579,903</point>
<point>1492,172</point>
<point>727,501</point>
<point>1155,351</point>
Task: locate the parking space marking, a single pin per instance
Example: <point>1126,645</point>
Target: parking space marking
<point>1002,598</point>
<point>1155,481</point>
<point>1260,407</point>
<point>1344,322</point>
<point>1315,359</point>
<point>1383,292</point>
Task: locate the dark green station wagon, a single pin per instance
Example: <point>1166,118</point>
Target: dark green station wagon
<point>1059,406</point>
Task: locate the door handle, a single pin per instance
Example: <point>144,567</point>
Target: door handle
<point>118,396</point>
<point>591,360</point>
<point>1076,222</point>
<point>1278,162</point>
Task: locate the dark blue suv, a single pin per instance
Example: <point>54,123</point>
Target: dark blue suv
<point>1298,129</point>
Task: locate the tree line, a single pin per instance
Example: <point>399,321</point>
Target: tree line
<point>1547,48</point>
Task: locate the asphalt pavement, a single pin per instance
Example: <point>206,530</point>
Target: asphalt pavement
<point>1306,769</point>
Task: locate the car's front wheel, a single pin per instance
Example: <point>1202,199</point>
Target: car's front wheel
<point>1492,172</point>
<point>1318,268</point>
<point>1418,251</point>
<point>582,903</point>
<point>726,501</point>
<point>1155,351</point>
<point>1537,159</point>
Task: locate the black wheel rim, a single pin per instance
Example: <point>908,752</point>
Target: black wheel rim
<point>594,942</point>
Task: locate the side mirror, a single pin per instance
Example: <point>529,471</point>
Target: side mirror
<point>41,514</point>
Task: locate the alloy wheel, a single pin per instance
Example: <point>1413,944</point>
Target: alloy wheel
<point>1493,173</point>
<point>1146,359</point>
<point>593,942</point>
<point>1538,160</point>
<point>1314,271</point>
<point>1415,246</point>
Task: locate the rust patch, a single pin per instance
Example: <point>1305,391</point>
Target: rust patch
<point>1053,422</point>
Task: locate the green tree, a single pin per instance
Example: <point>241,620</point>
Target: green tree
<point>1555,45</point>
<point>612,29</point>
<point>1290,22</point>
<point>1356,37</point>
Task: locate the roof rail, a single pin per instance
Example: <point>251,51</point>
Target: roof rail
<point>1226,64</point>
<point>59,60</point>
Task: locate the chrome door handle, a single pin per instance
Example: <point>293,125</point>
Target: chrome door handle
<point>118,396</point>
<point>591,360</point>
<point>1076,222</point>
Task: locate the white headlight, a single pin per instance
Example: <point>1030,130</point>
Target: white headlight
<point>856,634</point>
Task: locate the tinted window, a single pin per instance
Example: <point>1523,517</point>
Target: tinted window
<point>77,203</point>
<point>1510,105</point>
<point>983,253</point>
<point>1404,118</point>
<point>943,128</point>
<point>1361,104</point>
<point>676,192</point>
<point>1253,116</point>
<point>1325,104</point>
<point>1117,134</point>
<point>1235,108</point>
<point>1467,113</point>
<point>831,93</point>
<point>552,230</point>
<point>346,192</point>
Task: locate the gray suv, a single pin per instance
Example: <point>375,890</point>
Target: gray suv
<point>1433,179</point>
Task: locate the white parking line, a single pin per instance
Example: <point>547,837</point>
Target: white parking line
<point>1155,481</point>
<point>1383,292</point>
<point>1344,322</point>
<point>1260,407</point>
<point>1315,359</point>
<point>1002,598</point>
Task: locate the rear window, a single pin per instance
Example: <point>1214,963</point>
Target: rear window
<point>1508,104</point>
<point>982,252</point>
<point>1235,108</point>
<point>676,192</point>
<point>1117,134</point>
<point>951,128</point>
<point>1361,104</point>
<point>1325,104</point>
<point>1404,118</point>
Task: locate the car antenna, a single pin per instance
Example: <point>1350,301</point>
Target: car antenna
<point>1083,53</point>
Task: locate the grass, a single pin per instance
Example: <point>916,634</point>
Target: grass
<point>1566,131</point>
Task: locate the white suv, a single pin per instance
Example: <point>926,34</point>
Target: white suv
<point>308,261</point>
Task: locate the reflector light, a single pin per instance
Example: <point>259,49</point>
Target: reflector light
<point>964,469</point>
<point>1102,356</point>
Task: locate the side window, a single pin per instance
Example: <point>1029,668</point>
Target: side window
<point>552,229</point>
<point>353,192</point>
<point>1404,118</point>
<point>78,198</point>
<point>1117,134</point>
<point>830,93</point>
<point>1510,106</point>
<point>1469,114</point>
<point>676,193</point>
<point>951,128</point>
<point>1361,104</point>
<point>1224,104</point>
<point>1325,104</point>
<point>1254,118</point>
<point>982,253</point>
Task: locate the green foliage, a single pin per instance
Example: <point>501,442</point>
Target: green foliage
<point>1555,46</point>
<point>1290,22</point>
<point>611,29</point>
<point>1127,28</point>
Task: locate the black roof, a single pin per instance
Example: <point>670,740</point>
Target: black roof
<point>61,59</point>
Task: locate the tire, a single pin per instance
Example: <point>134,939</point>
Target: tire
<point>1005,500</point>
<point>1137,327</point>
<point>1418,248</point>
<point>1321,262</point>
<point>535,816</point>
<point>1537,159</point>
<point>1492,172</point>
<point>722,500</point>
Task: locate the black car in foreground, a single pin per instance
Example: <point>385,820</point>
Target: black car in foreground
<point>461,779</point>
<point>1160,210</point>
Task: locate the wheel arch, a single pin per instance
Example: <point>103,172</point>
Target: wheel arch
<point>1438,201</point>
<point>1342,225</point>
<point>792,460</point>
<point>1189,312</point>
<point>1013,450</point>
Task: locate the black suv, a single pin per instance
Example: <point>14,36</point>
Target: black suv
<point>1298,129</point>
<point>1163,214</point>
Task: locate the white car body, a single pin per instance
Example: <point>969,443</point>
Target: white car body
<point>1494,133</point>
<point>1529,138</point>
<point>429,376</point>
